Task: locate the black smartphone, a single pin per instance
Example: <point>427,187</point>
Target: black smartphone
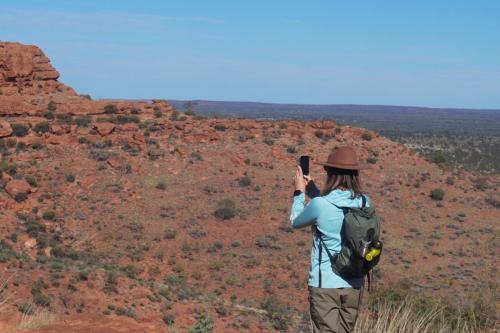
<point>304,165</point>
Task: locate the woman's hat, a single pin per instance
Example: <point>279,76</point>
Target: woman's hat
<point>344,158</point>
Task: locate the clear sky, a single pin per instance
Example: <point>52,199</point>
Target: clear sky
<point>426,53</point>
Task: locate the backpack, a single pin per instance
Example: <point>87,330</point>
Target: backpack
<point>359,235</point>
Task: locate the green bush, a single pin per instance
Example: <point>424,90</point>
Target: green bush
<point>170,234</point>
<point>49,215</point>
<point>438,157</point>
<point>110,109</point>
<point>111,282</point>
<point>6,251</point>
<point>20,130</point>
<point>220,127</point>
<point>31,180</point>
<point>21,196</point>
<point>437,194</point>
<point>244,181</point>
<point>42,127</point>
<point>70,178</point>
<point>51,106</point>
<point>161,185</point>
<point>366,136</point>
<point>205,324</point>
<point>278,314</point>
<point>83,121</point>
<point>168,319</point>
<point>226,209</point>
<point>157,112</point>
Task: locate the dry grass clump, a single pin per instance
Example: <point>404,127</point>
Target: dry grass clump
<point>36,318</point>
<point>399,310</point>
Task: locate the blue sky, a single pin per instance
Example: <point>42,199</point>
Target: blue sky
<point>425,53</point>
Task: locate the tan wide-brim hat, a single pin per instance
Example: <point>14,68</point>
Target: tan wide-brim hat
<point>344,157</point>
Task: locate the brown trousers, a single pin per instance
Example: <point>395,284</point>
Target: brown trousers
<point>334,310</point>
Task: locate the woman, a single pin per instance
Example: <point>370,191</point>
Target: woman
<point>334,302</point>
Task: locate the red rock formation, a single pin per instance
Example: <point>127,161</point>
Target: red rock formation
<point>24,69</point>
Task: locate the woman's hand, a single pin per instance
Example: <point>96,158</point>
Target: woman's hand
<point>300,181</point>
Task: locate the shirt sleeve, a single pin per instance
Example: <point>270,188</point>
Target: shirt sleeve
<point>303,215</point>
<point>312,190</point>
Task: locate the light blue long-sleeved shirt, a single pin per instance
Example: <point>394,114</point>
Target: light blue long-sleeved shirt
<point>328,218</point>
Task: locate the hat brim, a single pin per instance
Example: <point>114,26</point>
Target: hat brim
<point>359,166</point>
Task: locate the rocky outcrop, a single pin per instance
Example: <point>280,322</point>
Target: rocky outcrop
<point>25,70</point>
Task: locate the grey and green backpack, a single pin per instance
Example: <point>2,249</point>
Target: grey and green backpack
<point>359,235</point>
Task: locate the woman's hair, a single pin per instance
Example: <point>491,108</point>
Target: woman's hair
<point>348,179</point>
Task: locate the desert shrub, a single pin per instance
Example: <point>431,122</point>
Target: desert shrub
<point>220,127</point>
<point>291,149</point>
<point>170,234</point>
<point>161,185</point>
<point>83,121</point>
<point>135,111</point>
<point>83,274</point>
<point>110,109</point>
<point>99,155</point>
<point>111,282</point>
<point>42,127</point>
<point>366,136</point>
<point>86,96</point>
<point>20,130</point>
<point>131,271</point>
<point>26,308</point>
<point>437,194</point>
<point>397,308</point>
<point>205,324</point>
<point>21,196</point>
<point>480,183</point>
<point>49,215</point>
<point>128,312</point>
<point>438,157</point>
<point>64,118</point>
<point>51,107</point>
<point>174,115</point>
<point>493,199</point>
<point>277,313</point>
<point>319,134</point>
<point>157,112</point>
<point>268,141</point>
<point>168,319</point>
<point>6,251</point>
<point>125,119</point>
<point>70,178</point>
<point>372,160</point>
<point>450,181</point>
<point>244,181</point>
<point>197,156</point>
<point>36,290</point>
<point>226,209</point>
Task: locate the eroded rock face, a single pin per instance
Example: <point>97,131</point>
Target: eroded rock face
<point>5,129</point>
<point>24,69</point>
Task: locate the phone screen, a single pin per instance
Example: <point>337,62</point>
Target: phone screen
<point>304,164</point>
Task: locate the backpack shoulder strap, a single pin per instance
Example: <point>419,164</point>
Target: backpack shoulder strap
<point>322,244</point>
<point>363,201</point>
